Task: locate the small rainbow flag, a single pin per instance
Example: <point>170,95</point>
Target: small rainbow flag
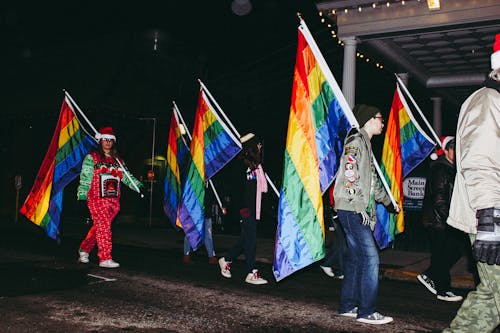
<point>62,164</point>
<point>177,156</point>
<point>213,145</point>
<point>317,127</point>
<point>405,146</point>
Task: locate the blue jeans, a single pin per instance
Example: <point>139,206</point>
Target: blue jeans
<point>360,285</point>
<point>209,243</point>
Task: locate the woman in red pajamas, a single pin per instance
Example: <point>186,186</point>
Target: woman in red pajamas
<point>102,173</point>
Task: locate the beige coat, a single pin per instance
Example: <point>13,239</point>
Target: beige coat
<point>477,184</point>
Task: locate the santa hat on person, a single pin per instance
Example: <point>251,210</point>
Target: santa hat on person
<point>495,56</point>
<point>444,141</point>
<point>106,133</point>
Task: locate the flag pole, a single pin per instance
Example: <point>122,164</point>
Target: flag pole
<point>384,182</point>
<point>81,112</point>
<point>272,184</point>
<point>402,85</point>
<point>204,88</point>
<point>212,186</point>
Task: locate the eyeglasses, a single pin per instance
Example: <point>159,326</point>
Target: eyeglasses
<point>108,140</point>
<point>380,117</point>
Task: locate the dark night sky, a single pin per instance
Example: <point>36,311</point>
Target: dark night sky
<point>102,53</point>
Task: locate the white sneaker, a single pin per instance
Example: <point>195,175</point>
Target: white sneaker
<point>225,268</point>
<point>110,263</point>
<point>375,319</point>
<point>83,257</point>
<point>449,297</point>
<point>328,270</point>
<point>427,282</point>
<point>254,278</point>
<point>353,313</point>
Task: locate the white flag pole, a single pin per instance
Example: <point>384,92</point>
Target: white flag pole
<point>128,177</point>
<point>218,107</point>
<point>402,85</point>
<point>272,185</point>
<point>212,186</point>
<point>338,94</point>
<point>81,113</point>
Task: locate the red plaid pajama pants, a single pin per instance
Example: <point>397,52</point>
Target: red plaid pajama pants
<point>103,212</point>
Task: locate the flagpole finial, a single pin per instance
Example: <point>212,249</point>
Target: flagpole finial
<point>299,15</point>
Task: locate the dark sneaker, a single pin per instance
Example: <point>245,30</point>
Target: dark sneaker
<point>427,282</point>
<point>449,297</point>
<point>353,313</point>
<point>375,319</point>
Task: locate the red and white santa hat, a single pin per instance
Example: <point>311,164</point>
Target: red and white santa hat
<point>495,56</point>
<point>444,141</point>
<point>106,133</point>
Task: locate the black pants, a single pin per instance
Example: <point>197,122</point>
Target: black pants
<point>247,243</point>
<point>447,246</point>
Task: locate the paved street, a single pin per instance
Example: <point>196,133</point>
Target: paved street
<point>43,289</point>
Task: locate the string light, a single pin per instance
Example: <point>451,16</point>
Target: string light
<point>379,5</point>
<point>373,5</point>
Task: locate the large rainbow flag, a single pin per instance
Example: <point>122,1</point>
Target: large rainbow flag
<point>405,146</point>
<point>318,124</point>
<point>177,156</point>
<point>213,145</point>
<point>62,164</point>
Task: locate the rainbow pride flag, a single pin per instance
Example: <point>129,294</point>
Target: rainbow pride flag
<point>213,145</point>
<point>62,164</point>
<point>317,127</point>
<point>177,156</point>
<point>405,146</point>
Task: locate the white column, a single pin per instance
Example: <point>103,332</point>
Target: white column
<point>349,74</point>
<point>437,114</point>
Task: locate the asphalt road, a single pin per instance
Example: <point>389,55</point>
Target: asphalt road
<point>44,289</point>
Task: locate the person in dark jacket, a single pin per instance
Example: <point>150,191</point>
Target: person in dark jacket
<point>446,242</point>
<point>254,185</point>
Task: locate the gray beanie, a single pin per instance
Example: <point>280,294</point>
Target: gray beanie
<point>364,112</point>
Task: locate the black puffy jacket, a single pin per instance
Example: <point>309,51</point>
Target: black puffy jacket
<point>438,191</point>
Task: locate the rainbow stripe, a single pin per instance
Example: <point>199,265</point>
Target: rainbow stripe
<point>177,155</point>
<point>317,127</point>
<point>62,164</point>
<point>405,146</point>
<point>212,146</point>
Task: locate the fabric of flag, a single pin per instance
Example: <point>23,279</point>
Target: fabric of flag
<point>212,146</point>
<point>62,164</point>
<point>317,127</point>
<point>405,146</point>
<point>177,156</point>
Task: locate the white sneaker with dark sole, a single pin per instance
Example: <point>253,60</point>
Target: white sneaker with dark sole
<point>427,282</point>
<point>375,319</point>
